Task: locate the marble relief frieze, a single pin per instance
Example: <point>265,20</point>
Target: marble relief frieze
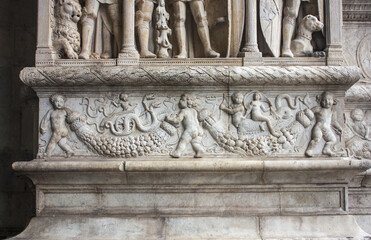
<point>247,123</point>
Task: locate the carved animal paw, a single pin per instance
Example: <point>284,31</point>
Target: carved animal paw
<point>319,54</point>
<point>72,55</point>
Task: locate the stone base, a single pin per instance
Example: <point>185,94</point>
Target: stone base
<point>181,228</point>
<point>192,199</point>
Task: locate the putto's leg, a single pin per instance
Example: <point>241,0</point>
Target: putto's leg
<point>180,31</point>
<point>64,146</point>
<point>316,137</point>
<point>89,15</point>
<point>290,14</point>
<point>143,17</point>
<point>330,139</point>
<point>184,140</point>
<point>197,147</point>
<point>199,15</point>
<point>54,139</point>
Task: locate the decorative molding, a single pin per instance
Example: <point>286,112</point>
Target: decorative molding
<point>360,92</point>
<point>189,76</point>
<point>356,11</point>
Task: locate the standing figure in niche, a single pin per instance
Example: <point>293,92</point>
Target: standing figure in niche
<point>291,13</point>
<point>325,119</point>
<point>143,17</point>
<point>236,110</point>
<point>199,15</point>
<point>89,16</point>
<point>256,108</point>
<point>58,120</point>
<point>193,132</point>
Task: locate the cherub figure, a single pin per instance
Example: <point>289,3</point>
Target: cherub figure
<point>256,108</point>
<point>192,130</point>
<point>58,120</point>
<point>236,109</point>
<point>325,119</point>
<point>125,103</point>
<point>359,125</point>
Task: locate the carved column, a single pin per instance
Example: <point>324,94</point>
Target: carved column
<point>334,23</point>
<point>250,49</point>
<point>45,54</point>
<point>128,54</point>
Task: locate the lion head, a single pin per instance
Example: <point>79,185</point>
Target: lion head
<point>68,10</point>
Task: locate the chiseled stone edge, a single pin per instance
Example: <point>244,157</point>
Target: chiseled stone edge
<point>68,166</point>
<point>208,165</point>
<point>359,93</point>
<point>193,228</point>
<point>189,76</point>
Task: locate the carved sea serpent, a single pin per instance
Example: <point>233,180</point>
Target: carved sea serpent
<point>293,104</point>
<point>112,146</point>
<point>127,129</point>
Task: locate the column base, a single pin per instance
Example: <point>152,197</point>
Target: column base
<point>128,57</point>
<point>251,58</point>
<point>45,57</point>
<point>335,56</point>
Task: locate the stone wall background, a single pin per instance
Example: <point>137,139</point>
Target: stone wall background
<point>18,106</point>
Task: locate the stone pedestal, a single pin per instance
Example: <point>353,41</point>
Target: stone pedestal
<point>248,181</point>
<point>189,199</point>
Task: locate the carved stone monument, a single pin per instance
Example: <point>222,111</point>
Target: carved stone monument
<point>196,148</point>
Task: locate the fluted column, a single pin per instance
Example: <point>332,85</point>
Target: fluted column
<point>128,54</point>
<point>250,49</point>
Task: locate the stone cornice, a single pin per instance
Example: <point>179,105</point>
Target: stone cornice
<point>357,10</point>
<point>189,76</point>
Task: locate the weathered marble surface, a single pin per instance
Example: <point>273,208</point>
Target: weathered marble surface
<point>191,199</point>
<point>189,76</point>
<point>257,228</point>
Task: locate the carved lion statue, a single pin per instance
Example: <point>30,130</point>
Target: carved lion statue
<point>66,38</point>
<point>301,46</point>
